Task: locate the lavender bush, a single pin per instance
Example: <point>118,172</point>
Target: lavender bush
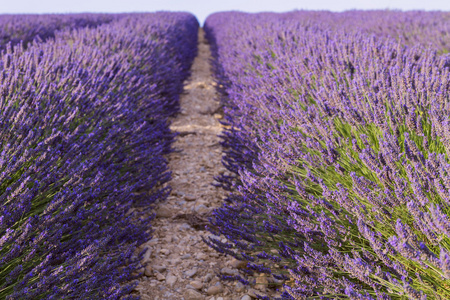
<point>25,28</point>
<point>339,146</point>
<point>84,131</point>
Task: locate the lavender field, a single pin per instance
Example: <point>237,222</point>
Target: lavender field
<point>339,144</point>
<point>335,140</point>
<point>84,134</point>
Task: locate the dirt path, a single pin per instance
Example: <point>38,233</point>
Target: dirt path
<point>182,266</point>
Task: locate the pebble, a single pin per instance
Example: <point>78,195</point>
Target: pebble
<point>148,271</point>
<point>215,280</point>
<point>252,293</point>
<point>185,226</point>
<point>238,264</point>
<point>181,202</point>
<point>214,290</point>
<point>201,209</point>
<point>246,297</point>
<point>208,277</point>
<point>191,272</point>
<point>163,212</point>
<point>196,284</point>
<point>171,280</point>
<point>165,251</point>
<point>239,287</point>
<point>160,277</point>
<point>190,197</point>
<point>152,242</point>
<point>261,282</point>
<point>228,271</point>
<point>186,256</point>
<point>147,255</point>
<point>201,256</point>
<point>175,261</point>
<point>160,269</point>
<point>179,193</point>
<point>191,294</point>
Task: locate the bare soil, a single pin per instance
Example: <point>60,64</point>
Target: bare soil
<point>181,265</point>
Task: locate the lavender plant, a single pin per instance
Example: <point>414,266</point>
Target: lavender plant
<point>84,132</point>
<point>339,149</point>
<point>24,29</point>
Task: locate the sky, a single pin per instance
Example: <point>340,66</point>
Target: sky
<point>202,8</point>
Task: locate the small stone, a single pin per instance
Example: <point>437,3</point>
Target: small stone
<point>191,272</point>
<point>201,209</point>
<point>181,202</point>
<point>178,193</point>
<point>238,264</point>
<point>189,197</point>
<point>147,255</point>
<point>165,251</point>
<point>163,212</point>
<point>214,290</point>
<point>220,298</point>
<point>185,226</point>
<point>196,284</point>
<point>215,280</point>
<point>201,256</point>
<point>239,287</point>
<point>186,256</point>
<point>191,294</point>
<point>160,269</point>
<point>261,282</point>
<point>252,293</point>
<point>171,280</point>
<point>175,261</point>
<point>227,271</point>
<point>246,297</point>
<point>148,271</point>
<point>208,277</point>
<point>152,242</point>
<point>160,277</point>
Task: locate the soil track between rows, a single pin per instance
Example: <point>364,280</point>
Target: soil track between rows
<point>181,266</point>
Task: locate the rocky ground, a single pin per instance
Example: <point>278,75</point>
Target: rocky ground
<point>181,265</point>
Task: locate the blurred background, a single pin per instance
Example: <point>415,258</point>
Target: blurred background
<point>202,8</point>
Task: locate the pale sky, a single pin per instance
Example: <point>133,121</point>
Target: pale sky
<point>202,8</point>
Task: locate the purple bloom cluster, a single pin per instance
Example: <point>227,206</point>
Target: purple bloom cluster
<point>339,146</point>
<point>24,29</point>
<point>83,134</point>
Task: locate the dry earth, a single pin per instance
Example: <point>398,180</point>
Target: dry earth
<point>181,265</point>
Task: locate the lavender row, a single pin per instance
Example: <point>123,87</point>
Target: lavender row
<point>84,132</point>
<point>339,146</point>
<point>409,28</point>
<point>24,29</point>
